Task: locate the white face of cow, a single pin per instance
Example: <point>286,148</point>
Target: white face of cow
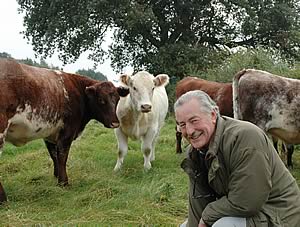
<point>141,88</point>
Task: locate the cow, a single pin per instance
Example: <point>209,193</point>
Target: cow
<point>271,102</point>
<point>221,93</point>
<point>53,105</point>
<point>141,114</point>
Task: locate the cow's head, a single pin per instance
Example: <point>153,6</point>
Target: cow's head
<point>103,98</point>
<point>141,87</point>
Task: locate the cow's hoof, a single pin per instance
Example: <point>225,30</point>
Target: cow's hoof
<point>147,167</point>
<point>63,184</point>
<point>152,158</point>
<point>117,167</point>
<point>3,199</point>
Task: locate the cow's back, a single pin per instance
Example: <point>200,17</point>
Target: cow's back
<point>22,84</point>
<point>33,100</point>
<point>267,100</point>
<point>221,93</point>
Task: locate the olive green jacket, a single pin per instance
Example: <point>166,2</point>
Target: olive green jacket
<point>249,178</point>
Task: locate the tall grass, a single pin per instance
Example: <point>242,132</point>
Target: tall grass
<point>97,195</point>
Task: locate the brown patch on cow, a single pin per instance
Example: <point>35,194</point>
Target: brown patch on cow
<point>221,93</point>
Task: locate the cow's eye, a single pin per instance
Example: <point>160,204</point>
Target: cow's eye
<point>134,88</point>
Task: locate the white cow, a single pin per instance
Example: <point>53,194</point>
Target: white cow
<point>141,114</point>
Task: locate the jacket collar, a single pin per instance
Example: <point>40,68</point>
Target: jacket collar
<point>214,143</point>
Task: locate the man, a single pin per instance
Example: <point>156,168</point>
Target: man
<point>236,176</point>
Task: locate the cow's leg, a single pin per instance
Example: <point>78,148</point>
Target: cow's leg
<point>52,149</point>
<point>3,130</point>
<point>152,154</point>
<point>178,142</point>
<point>2,195</point>
<point>122,148</point>
<point>63,147</point>
<point>289,154</point>
<point>148,146</point>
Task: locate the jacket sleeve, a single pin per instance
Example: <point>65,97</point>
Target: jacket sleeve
<point>249,180</point>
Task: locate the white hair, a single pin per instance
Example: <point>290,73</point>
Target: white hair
<point>207,105</point>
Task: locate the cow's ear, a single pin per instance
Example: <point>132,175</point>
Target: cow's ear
<point>123,91</point>
<point>125,79</point>
<point>90,91</point>
<point>161,80</point>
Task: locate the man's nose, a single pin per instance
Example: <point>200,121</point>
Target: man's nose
<point>189,129</point>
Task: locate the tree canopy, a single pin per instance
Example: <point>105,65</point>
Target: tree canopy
<point>92,74</point>
<point>160,35</point>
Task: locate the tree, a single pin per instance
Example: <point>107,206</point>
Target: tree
<point>41,64</point>
<point>5,55</point>
<point>92,74</point>
<point>161,35</point>
<point>29,61</point>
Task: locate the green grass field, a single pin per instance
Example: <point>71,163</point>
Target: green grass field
<point>96,194</point>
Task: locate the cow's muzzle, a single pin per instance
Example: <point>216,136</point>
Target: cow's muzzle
<point>146,108</point>
<point>114,124</point>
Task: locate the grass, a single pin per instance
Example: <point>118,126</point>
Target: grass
<point>96,194</point>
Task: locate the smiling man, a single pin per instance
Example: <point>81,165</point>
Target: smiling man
<point>236,176</point>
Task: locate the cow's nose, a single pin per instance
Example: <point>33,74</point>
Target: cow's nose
<point>115,125</point>
<point>146,108</point>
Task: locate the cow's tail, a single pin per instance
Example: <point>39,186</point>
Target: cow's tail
<point>235,94</point>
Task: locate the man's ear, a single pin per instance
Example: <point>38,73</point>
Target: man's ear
<point>214,116</point>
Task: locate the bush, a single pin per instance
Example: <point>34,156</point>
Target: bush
<point>270,60</point>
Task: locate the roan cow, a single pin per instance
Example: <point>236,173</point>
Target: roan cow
<point>271,102</point>
<point>56,106</point>
<point>221,93</point>
<point>141,114</point>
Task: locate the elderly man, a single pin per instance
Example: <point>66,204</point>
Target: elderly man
<point>236,176</point>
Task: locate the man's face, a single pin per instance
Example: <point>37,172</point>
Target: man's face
<point>197,127</point>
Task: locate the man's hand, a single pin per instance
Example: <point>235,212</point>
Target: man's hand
<point>201,223</point>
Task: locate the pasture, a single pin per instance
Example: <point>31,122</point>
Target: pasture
<point>96,194</point>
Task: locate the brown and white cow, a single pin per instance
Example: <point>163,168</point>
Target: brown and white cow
<point>271,102</point>
<point>221,93</point>
<point>141,114</point>
<point>56,106</point>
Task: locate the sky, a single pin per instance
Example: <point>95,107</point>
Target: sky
<point>13,43</point>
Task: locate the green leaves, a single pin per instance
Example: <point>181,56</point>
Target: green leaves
<point>164,36</point>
